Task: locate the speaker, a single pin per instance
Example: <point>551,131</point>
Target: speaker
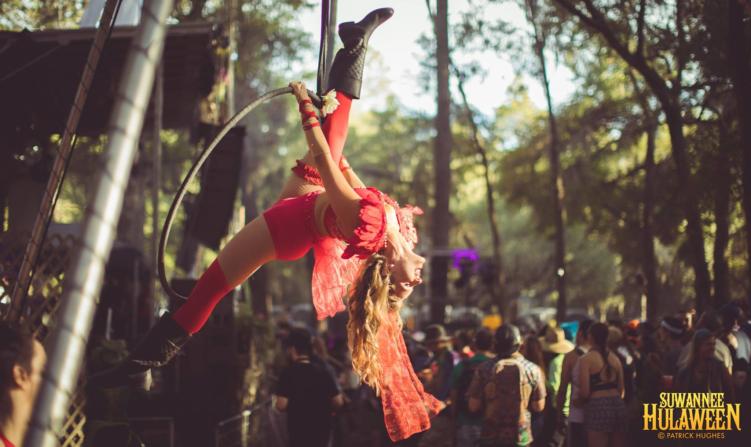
<point>209,220</point>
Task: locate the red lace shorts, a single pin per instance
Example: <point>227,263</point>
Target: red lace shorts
<point>291,222</point>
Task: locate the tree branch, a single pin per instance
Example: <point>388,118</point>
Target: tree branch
<point>640,28</point>
<point>680,53</point>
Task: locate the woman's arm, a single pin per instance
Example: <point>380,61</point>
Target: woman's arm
<point>349,174</point>
<point>344,199</point>
<point>584,378</point>
<point>619,377</point>
<point>568,363</point>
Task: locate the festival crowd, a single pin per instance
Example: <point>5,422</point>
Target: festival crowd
<point>580,383</point>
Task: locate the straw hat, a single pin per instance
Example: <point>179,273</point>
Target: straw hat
<point>554,340</point>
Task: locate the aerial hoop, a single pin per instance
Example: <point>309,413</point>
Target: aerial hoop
<point>197,166</point>
<point>328,15</point>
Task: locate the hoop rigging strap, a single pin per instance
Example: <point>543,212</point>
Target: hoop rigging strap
<point>323,49</point>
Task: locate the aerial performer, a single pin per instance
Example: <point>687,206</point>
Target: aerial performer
<point>363,243</point>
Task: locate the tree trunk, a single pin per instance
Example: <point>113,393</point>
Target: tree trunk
<point>649,265</point>
<point>738,56</point>
<point>597,22</point>
<point>556,181</point>
<point>649,260</point>
<point>722,223</point>
<point>442,169</point>
<point>690,205</point>
<point>497,289</point>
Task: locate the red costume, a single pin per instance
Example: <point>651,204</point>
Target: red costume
<point>291,222</point>
<point>407,408</point>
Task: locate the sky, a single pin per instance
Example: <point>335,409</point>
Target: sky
<point>395,53</point>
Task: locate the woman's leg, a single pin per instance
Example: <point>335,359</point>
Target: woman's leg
<point>244,254</point>
<point>334,128</point>
<point>336,125</point>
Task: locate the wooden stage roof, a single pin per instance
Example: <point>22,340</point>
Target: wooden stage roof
<point>40,71</point>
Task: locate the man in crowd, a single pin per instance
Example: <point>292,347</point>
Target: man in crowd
<point>468,424</point>
<point>670,335</point>
<point>505,389</point>
<point>308,392</point>
<point>568,414</point>
<point>22,360</point>
<point>439,344</point>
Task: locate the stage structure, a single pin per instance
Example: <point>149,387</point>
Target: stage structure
<point>40,71</point>
<point>84,279</point>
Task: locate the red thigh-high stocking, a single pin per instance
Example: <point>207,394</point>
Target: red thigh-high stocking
<point>335,126</point>
<point>208,291</point>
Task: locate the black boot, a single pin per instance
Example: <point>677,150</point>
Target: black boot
<point>346,70</point>
<point>160,345</point>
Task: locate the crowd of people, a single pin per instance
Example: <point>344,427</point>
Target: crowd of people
<point>582,383</point>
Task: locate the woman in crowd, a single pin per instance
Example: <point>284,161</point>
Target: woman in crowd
<point>601,391</point>
<point>701,371</point>
<point>532,350</point>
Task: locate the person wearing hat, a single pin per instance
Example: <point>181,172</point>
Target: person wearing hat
<point>670,334</point>
<point>554,347</point>
<point>504,390</point>
<point>468,425</point>
<point>439,343</point>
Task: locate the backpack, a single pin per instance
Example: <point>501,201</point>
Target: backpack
<point>503,401</point>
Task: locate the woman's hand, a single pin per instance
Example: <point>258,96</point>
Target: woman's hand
<point>299,90</point>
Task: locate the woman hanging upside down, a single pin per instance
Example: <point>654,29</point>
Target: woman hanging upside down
<point>363,244</point>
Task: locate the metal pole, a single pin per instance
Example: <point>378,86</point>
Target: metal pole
<point>330,42</point>
<point>84,278</point>
<point>39,230</point>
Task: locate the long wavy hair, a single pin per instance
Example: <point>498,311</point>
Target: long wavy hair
<point>369,305</point>
<point>599,333</point>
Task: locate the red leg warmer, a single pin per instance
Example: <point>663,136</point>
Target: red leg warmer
<point>335,126</point>
<point>208,291</point>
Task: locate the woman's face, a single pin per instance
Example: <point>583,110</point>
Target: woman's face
<point>405,267</point>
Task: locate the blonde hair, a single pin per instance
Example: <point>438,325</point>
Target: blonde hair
<point>369,305</point>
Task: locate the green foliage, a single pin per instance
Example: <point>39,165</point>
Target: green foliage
<point>603,131</point>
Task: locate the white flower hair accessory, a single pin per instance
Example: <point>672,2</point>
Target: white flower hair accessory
<point>330,103</point>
